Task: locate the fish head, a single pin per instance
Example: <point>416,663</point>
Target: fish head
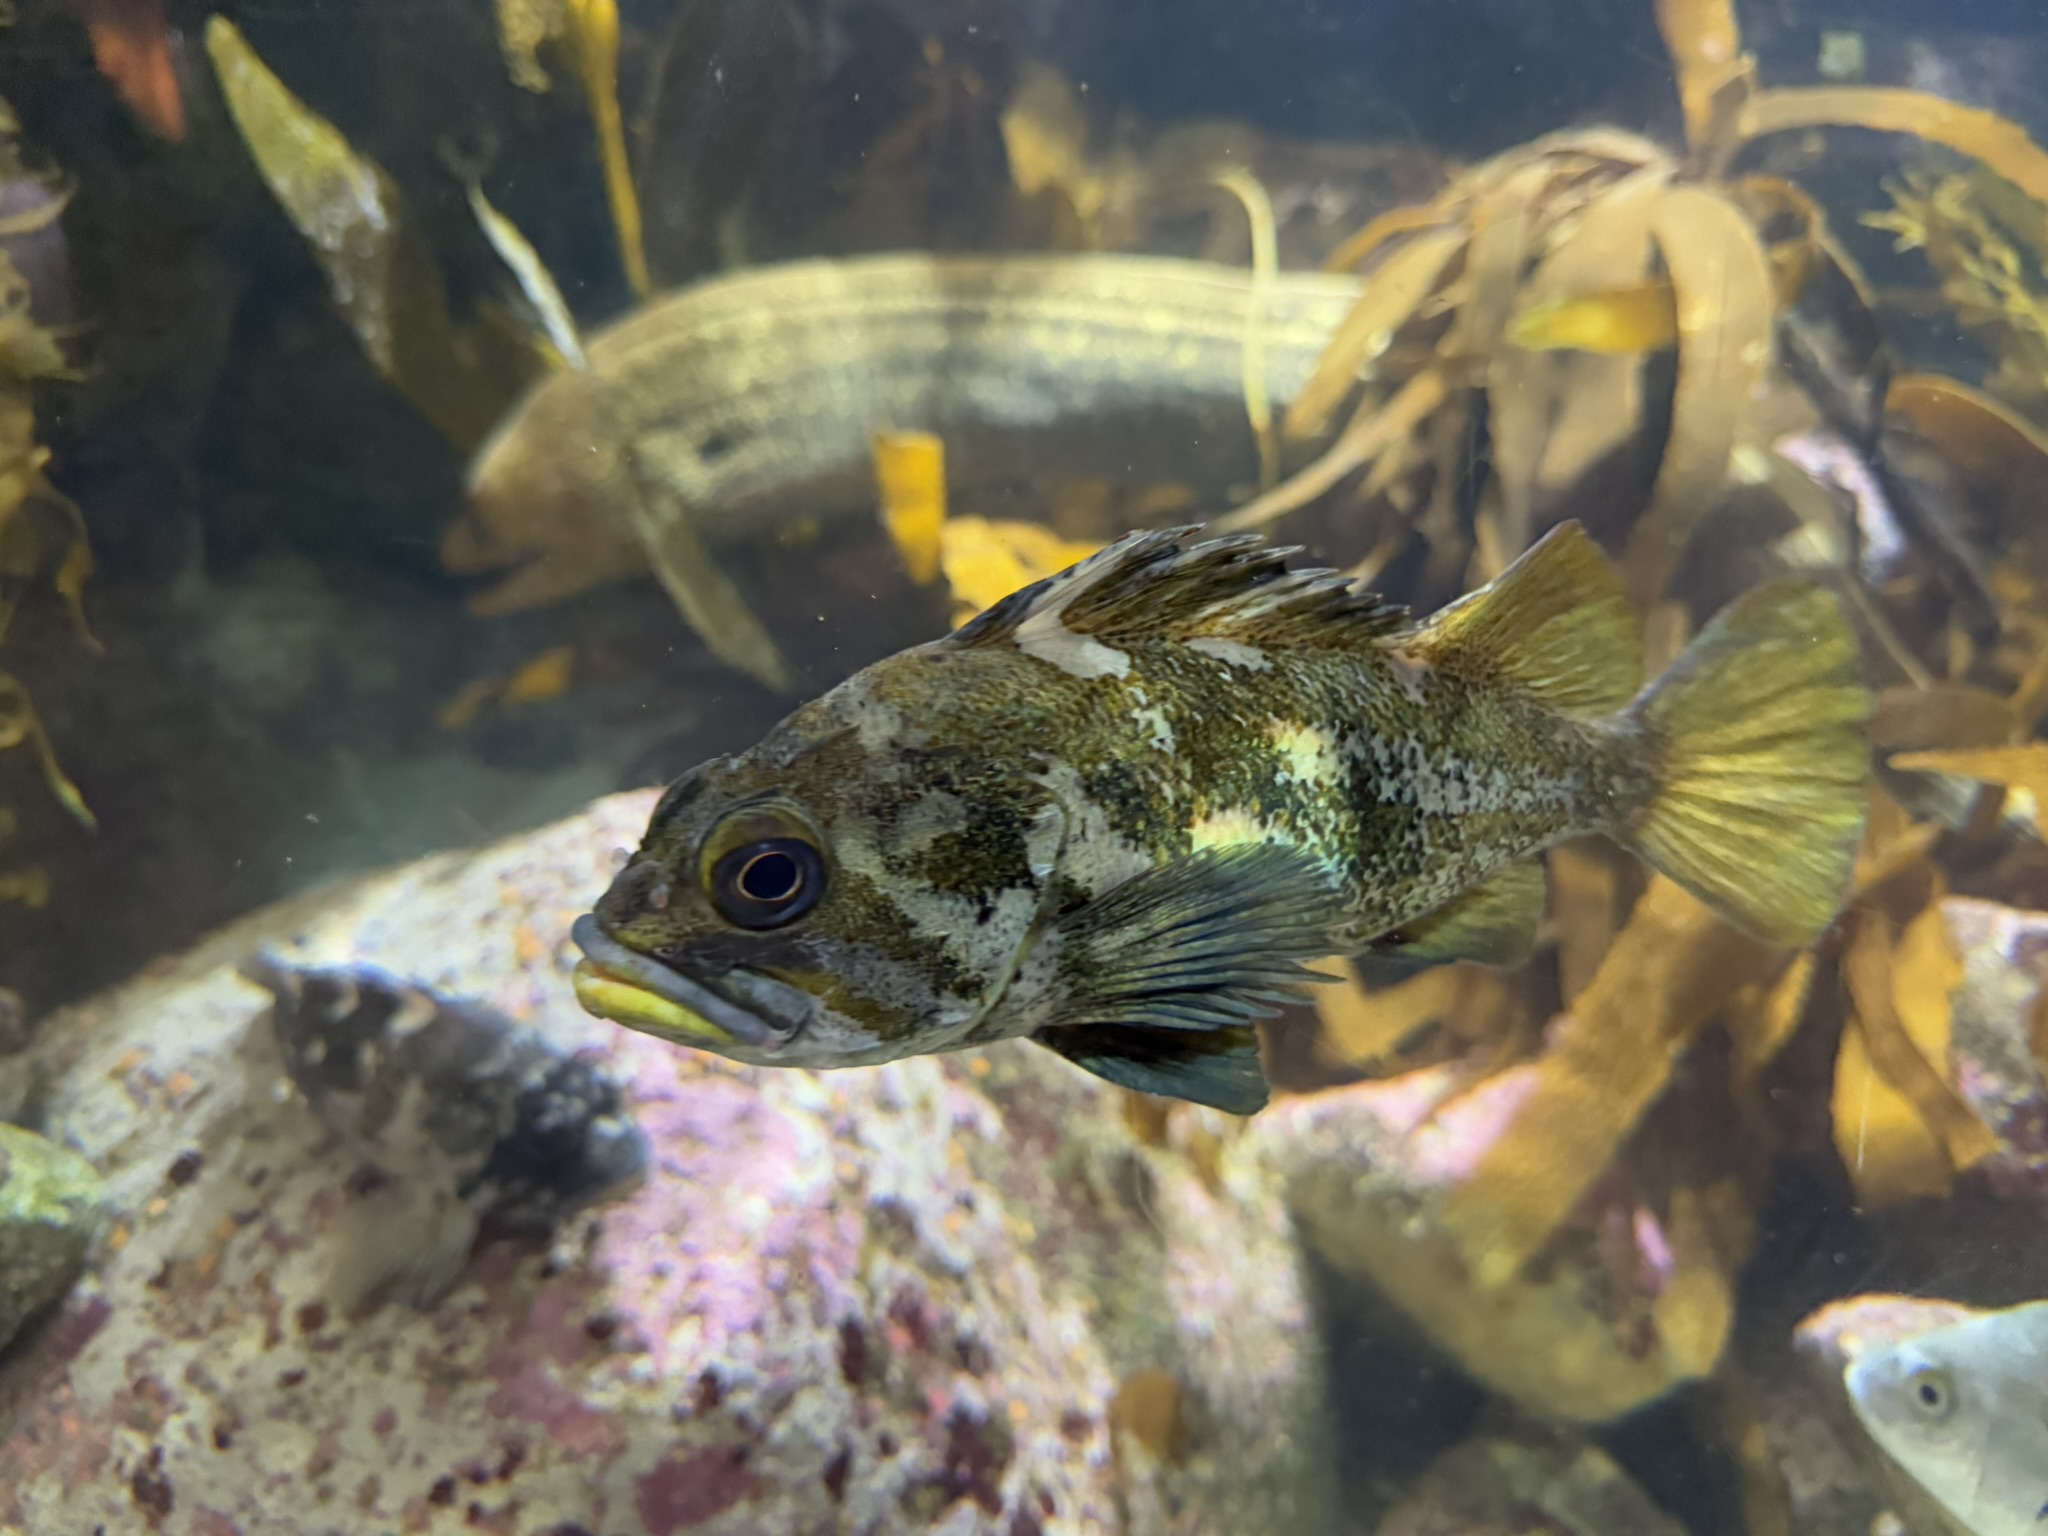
<point>546,498</point>
<point>1964,1410</point>
<point>853,889</point>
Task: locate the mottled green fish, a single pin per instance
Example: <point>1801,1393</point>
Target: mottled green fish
<point>1964,1410</point>
<point>1121,810</point>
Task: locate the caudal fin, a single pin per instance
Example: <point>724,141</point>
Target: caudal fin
<point>1756,733</point>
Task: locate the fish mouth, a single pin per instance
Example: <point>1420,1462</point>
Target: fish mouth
<point>637,990</point>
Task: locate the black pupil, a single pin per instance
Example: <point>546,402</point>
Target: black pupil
<point>770,877</point>
<point>1930,1394</point>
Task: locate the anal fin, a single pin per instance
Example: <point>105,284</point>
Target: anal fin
<point>1555,624</point>
<point>1495,923</point>
<point>1216,1067</point>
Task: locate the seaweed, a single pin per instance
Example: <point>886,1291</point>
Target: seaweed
<point>587,31</point>
<point>43,542</point>
<point>381,272</point>
<point>981,560</point>
<point>1989,277</point>
<point>1595,318</point>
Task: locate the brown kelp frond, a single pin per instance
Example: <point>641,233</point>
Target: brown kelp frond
<point>1974,233</point>
<point>43,545</point>
<point>587,33</point>
<point>1593,322</point>
<point>380,270</point>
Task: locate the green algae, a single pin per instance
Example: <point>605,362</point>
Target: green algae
<point>51,1206</point>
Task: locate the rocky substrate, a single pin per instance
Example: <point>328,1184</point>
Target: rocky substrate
<point>896,1300</point>
<point>980,1293</point>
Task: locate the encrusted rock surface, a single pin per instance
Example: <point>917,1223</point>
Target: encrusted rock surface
<point>890,1300</point>
<point>1991,1045</point>
<point>51,1207</point>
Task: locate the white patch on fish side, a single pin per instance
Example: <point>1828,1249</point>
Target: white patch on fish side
<point>878,725</point>
<point>1232,653</point>
<point>1151,718</point>
<point>1094,854</point>
<point>1232,827</point>
<point>1408,675</point>
<point>1964,1410</point>
<point>1041,635</point>
<point>933,815</point>
<point>1308,754</point>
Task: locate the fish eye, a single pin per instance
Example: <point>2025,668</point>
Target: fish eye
<point>766,884</point>
<point>1933,1396</point>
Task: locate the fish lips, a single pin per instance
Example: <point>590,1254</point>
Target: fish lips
<point>749,1010</point>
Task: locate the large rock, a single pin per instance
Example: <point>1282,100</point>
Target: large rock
<point>889,1300</point>
<point>1992,1042</point>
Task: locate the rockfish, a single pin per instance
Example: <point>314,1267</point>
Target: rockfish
<point>1119,811</point>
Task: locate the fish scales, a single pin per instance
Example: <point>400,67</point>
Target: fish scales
<point>1407,785</point>
<point>1121,811</point>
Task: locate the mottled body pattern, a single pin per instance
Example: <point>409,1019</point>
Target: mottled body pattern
<point>467,1117</point>
<point>1118,810</point>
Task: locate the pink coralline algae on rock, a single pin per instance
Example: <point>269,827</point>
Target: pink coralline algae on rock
<point>889,1300</point>
<point>1991,1044</point>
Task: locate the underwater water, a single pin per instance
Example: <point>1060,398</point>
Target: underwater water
<point>1536,1029</point>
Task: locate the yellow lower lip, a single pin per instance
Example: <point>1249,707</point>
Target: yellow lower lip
<point>624,1003</point>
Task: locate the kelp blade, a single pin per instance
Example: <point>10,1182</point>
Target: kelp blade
<point>379,269</point>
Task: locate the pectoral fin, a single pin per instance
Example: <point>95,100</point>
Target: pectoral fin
<point>700,589</point>
<point>1217,1067</point>
<point>1164,975</point>
<point>1494,924</point>
<point>1219,938</point>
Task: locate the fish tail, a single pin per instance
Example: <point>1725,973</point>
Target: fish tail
<point>1756,738</point>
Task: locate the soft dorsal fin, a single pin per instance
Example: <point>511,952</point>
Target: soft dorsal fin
<point>1556,623</point>
<point>1495,923</point>
<point>1157,585</point>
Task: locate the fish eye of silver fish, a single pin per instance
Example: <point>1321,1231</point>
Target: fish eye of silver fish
<point>1931,1393</point>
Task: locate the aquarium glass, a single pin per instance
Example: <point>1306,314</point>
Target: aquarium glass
<point>1023,768</point>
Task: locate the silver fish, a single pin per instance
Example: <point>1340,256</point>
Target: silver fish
<point>1963,1409</point>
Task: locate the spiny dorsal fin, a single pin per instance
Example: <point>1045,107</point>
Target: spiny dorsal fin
<point>1157,585</point>
<point>1555,623</point>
